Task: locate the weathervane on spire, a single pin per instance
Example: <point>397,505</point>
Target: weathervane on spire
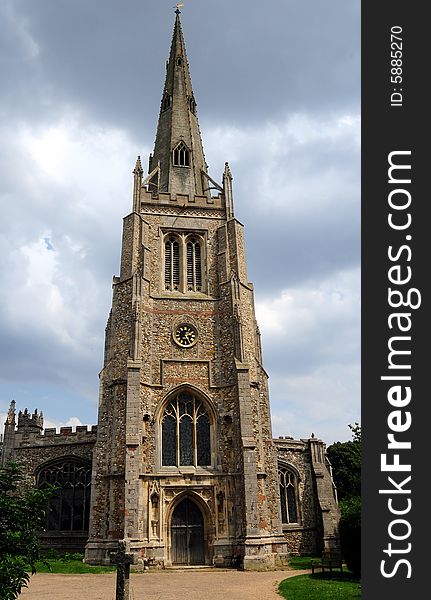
<point>178,6</point>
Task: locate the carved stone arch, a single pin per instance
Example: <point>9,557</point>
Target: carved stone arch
<point>186,386</point>
<point>208,527</point>
<point>287,465</point>
<point>196,235</point>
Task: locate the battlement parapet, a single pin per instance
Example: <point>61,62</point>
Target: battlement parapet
<point>30,421</point>
<point>51,437</point>
<point>180,200</point>
<point>80,431</point>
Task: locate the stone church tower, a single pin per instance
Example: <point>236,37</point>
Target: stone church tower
<point>184,466</point>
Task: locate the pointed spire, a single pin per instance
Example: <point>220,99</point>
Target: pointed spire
<point>178,145</point>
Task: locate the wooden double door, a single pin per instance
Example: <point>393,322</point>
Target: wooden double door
<point>187,534</point>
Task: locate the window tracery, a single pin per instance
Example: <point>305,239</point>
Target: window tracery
<point>68,509</point>
<point>288,495</point>
<point>181,155</point>
<point>186,432</point>
<point>183,263</point>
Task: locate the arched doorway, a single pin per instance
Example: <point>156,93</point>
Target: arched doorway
<point>187,534</point>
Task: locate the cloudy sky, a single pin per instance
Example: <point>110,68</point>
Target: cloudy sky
<point>278,91</point>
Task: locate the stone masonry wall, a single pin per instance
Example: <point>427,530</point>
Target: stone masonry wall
<point>304,537</point>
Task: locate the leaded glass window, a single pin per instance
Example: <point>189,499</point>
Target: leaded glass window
<point>186,432</point>
<point>288,495</point>
<point>69,507</point>
<point>169,434</point>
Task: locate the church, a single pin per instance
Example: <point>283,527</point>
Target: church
<point>182,463</point>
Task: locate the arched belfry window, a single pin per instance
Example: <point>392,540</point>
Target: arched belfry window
<point>181,155</point>
<point>69,507</point>
<point>184,260</point>
<point>194,265</point>
<point>186,432</point>
<point>288,495</point>
<point>172,264</point>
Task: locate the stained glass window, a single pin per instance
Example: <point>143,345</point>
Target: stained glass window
<point>186,441</point>
<point>186,432</point>
<point>169,434</point>
<point>203,440</point>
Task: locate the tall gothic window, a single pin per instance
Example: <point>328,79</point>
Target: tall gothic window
<point>181,155</point>
<point>186,432</point>
<point>69,507</point>
<point>172,264</point>
<point>288,496</point>
<point>194,269</point>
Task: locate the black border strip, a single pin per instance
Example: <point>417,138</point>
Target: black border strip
<point>386,128</point>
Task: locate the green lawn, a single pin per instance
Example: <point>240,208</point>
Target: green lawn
<point>301,562</point>
<point>320,587</point>
<point>68,563</point>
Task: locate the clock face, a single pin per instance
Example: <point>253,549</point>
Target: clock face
<point>185,335</point>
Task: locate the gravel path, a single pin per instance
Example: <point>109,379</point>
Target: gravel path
<point>164,585</point>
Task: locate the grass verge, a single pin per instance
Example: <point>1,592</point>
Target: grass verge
<point>68,563</point>
<point>72,566</point>
<point>320,587</point>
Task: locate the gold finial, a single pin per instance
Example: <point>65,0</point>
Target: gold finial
<point>177,7</point>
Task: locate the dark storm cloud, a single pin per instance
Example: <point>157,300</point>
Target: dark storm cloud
<point>249,60</point>
<point>81,81</point>
<point>300,250</point>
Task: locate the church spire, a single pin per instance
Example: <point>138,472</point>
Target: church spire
<point>178,147</point>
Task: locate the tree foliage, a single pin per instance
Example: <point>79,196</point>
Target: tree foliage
<point>22,514</point>
<point>345,458</point>
<point>350,533</point>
